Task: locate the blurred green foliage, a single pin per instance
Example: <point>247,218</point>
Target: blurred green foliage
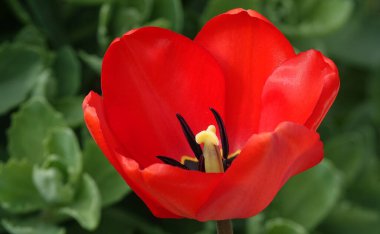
<point>55,180</point>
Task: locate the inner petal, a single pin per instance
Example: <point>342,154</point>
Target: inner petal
<point>248,48</point>
<point>148,76</point>
<point>292,91</point>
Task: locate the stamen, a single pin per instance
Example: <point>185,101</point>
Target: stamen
<point>207,158</point>
<point>201,164</point>
<point>171,162</point>
<point>190,137</point>
<point>223,134</point>
<point>227,162</point>
<point>211,151</point>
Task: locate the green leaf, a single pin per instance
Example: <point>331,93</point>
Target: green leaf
<point>362,116</point>
<point>20,68</point>
<point>365,189</point>
<point>89,2</point>
<point>19,11</point>
<point>86,206</point>
<point>29,127</point>
<point>283,226</point>
<point>67,70</point>
<point>144,7</point>
<point>111,185</point>
<point>45,15</point>
<point>46,86</point>
<point>3,154</point>
<point>350,219</point>
<point>92,61</point>
<point>209,228</point>
<point>374,103</point>
<point>30,227</point>
<point>17,192</point>
<point>56,178</point>
<point>124,18</point>
<point>63,143</point>
<point>170,10</point>
<point>50,183</point>
<point>216,7</point>
<point>311,18</point>
<point>30,35</point>
<point>357,42</point>
<point>160,22</point>
<point>309,197</point>
<point>255,224</point>
<point>119,17</point>
<point>117,221</point>
<point>84,134</point>
<point>71,108</point>
<point>105,15</point>
<point>349,151</point>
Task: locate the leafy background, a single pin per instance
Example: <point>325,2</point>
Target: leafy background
<point>54,179</point>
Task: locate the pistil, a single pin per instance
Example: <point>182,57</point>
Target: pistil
<point>211,158</point>
<point>211,152</point>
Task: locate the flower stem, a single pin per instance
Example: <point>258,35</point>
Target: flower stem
<point>224,227</point>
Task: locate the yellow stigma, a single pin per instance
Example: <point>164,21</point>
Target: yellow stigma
<point>207,136</point>
<point>211,151</point>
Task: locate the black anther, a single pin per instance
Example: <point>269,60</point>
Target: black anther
<point>201,164</point>
<point>171,162</point>
<point>223,134</point>
<point>195,147</point>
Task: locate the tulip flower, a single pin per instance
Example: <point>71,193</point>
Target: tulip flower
<point>210,128</point>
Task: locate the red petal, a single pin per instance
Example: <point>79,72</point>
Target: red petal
<point>262,168</point>
<point>249,185</point>
<point>249,12</point>
<point>95,121</point>
<point>293,90</point>
<point>328,95</point>
<point>150,75</point>
<point>180,191</point>
<point>248,48</point>
<point>96,124</point>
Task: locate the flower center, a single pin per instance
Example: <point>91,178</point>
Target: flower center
<point>211,151</point>
<point>210,158</point>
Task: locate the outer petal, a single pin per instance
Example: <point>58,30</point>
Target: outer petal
<point>249,185</point>
<point>96,123</point>
<point>263,167</point>
<point>150,75</point>
<point>252,13</point>
<point>248,48</point>
<point>294,89</point>
<point>328,95</point>
<point>180,191</point>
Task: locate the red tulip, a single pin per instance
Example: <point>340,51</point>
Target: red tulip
<point>270,99</point>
